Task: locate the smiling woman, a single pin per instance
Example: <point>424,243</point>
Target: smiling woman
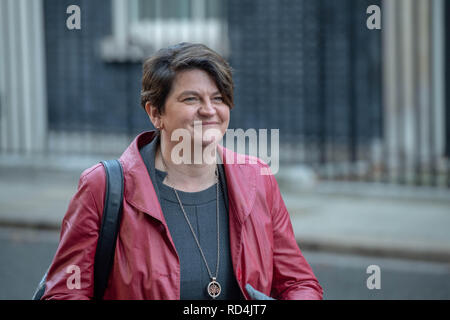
<point>202,230</point>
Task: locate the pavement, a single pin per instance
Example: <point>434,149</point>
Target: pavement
<point>27,252</point>
<point>355,218</point>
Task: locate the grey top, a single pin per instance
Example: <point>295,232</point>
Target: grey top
<point>200,208</point>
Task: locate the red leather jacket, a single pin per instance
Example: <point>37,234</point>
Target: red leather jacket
<point>263,248</point>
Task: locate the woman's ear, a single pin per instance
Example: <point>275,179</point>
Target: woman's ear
<point>154,115</point>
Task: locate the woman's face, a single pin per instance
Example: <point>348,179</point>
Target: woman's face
<point>196,105</point>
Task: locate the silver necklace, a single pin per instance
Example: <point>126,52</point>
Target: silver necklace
<point>213,287</point>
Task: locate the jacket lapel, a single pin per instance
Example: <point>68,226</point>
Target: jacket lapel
<point>241,183</point>
<point>139,189</point>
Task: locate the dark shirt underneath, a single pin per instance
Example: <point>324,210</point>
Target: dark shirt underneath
<point>200,208</point>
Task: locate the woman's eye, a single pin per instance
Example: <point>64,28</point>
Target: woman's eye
<point>190,99</point>
<point>220,99</point>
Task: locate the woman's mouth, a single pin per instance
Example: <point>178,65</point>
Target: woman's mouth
<point>207,123</point>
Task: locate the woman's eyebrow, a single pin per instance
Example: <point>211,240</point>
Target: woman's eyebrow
<point>195,93</point>
<point>188,93</point>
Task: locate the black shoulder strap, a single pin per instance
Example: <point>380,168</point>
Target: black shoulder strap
<point>109,229</point>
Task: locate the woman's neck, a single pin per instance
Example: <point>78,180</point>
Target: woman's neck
<point>188,177</point>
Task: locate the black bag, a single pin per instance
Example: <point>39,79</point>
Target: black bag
<point>106,245</point>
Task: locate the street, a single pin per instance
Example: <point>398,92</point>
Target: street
<point>26,253</point>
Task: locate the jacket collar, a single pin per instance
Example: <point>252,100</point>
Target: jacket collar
<point>140,192</point>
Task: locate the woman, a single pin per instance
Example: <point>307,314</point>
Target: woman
<point>193,226</point>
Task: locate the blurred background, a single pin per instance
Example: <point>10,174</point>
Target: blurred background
<point>363,115</point>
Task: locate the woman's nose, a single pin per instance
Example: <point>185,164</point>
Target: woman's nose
<point>207,108</point>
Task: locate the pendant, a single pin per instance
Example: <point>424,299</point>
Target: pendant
<point>214,288</point>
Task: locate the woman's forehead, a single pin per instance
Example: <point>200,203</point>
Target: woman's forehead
<point>194,80</point>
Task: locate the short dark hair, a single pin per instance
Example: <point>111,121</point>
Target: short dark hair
<point>160,70</point>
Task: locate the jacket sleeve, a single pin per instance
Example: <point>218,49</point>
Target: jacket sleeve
<point>293,278</point>
<point>71,274</point>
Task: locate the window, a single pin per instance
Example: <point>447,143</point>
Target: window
<point>140,27</point>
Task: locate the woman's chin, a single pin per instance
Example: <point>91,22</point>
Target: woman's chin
<point>208,141</point>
